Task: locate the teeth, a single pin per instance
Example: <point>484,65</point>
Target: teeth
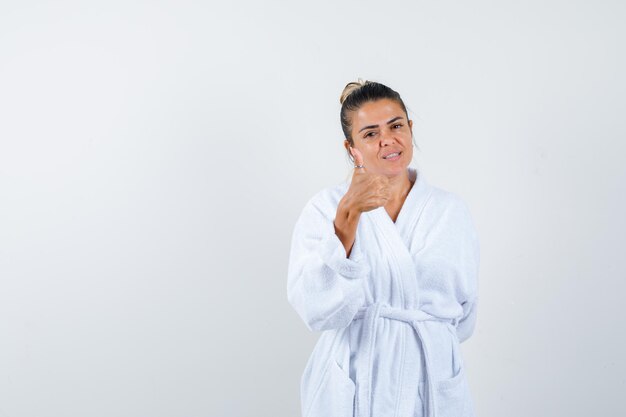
<point>391,155</point>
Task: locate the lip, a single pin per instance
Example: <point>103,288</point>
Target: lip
<point>394,158</point>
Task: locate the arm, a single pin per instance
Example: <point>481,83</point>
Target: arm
<point>346,222</point>
<point>465,326</point>
<point>325,286</point>
<point>467,323</point>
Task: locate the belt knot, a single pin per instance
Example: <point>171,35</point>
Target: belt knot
<point>370,316</point>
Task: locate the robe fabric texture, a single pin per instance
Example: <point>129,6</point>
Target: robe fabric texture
<point>391,315</point>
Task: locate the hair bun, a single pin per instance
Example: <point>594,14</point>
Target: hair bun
<point>351,87</point>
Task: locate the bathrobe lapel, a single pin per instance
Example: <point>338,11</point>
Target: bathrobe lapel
<point>399,240</point>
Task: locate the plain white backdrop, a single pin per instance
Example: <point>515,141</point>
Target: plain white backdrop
<point>154,157</point>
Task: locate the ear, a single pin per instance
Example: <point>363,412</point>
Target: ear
<point>411,124</point>
<point>346,144</point>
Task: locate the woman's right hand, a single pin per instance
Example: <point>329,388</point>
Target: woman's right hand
<point>367,191</point>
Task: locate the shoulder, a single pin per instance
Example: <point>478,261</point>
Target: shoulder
<point>324,203</point>
<point>450,208</point>
<point>447,200</point>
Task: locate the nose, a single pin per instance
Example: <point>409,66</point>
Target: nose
<point>387,138</point>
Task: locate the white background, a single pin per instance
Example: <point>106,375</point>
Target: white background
<point>154,157</point>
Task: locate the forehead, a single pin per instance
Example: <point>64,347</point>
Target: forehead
<point>377,113</point>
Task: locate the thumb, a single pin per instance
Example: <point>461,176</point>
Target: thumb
<point>358,158</point>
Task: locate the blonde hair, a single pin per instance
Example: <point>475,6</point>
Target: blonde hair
<point>350,88</point>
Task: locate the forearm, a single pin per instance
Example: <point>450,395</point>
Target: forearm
<point>346,222</point>
<point>324,286</point>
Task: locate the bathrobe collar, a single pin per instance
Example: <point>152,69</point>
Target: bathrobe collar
<point>399,236</point>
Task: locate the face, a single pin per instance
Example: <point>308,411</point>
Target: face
<point>380,128</point>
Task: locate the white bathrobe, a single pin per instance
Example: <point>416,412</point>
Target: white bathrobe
<point>393,314</point>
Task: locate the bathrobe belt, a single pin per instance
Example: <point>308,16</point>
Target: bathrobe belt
<point>370,315</point>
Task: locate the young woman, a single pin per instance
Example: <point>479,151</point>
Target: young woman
<point>385,265</point>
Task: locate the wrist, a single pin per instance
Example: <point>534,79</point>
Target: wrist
<point>347,211</point>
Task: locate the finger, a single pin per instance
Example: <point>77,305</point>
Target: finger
<point>358,158</point>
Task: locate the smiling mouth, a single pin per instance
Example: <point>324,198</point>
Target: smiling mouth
<point>393,156</point>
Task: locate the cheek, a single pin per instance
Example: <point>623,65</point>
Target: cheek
<point>371,153</point>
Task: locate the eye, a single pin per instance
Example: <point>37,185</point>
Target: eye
<point>368,134</point>
<point>397,125</point>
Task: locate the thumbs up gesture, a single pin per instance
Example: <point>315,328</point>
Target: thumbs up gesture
<point>367,191</point>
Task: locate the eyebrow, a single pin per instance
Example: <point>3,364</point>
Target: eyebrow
<point>373,126</point>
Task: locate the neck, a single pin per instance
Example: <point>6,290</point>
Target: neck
<point>400,185</point>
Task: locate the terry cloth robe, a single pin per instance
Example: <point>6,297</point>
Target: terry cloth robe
<point>393,314</point>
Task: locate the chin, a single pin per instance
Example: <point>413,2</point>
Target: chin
<point>395,171</point>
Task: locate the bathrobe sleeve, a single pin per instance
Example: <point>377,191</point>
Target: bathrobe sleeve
<point>324,286</point>
<point>470,259</point>
<point>465,327</point>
